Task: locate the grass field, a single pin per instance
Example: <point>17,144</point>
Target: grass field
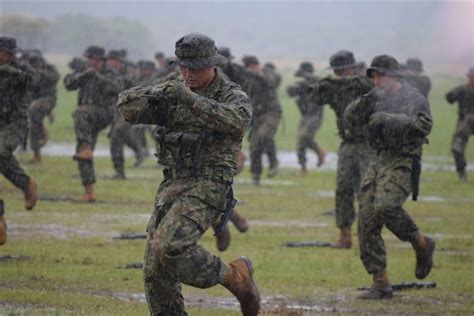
<point>74,266</point>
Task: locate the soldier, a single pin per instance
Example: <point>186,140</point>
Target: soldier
<point>464,95</point>
<point>147,73</point>
<point>396,120</point>
<point>311,115</point>
<point>3,225</point>
<point>93,113</point>
<point>353,153</point>
<point>413,74</point>
<point>121,132</point>
<point>14,80</point>
<point>43,102</point>
<point>201,120</point>
<point>160,59</point>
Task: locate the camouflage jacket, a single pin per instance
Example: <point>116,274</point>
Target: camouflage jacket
<point>203,140</point>
<point>339,93</point>
<point>260,86</point>
<point>15,80</point>
<point>395,122</point>
<point>464,95</point>
<point>96,89</point>
<point>301,90</point>
<point>420,82</point>
<point>46,85</point>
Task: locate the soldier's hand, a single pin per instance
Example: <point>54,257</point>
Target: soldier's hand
<point>131,104</point>
<point>178,91</point>
<point>8,69</point>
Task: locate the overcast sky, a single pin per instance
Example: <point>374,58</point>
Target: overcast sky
<point>439,33</point>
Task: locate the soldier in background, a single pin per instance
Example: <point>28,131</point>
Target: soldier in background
<point>15,78</point>
<point>464,96</point>
<point>160,59</point>
<point>361,68</point>
<point>395,119</point>
<point>3,224</point>
<point>311,115</point>
<point>413,74</point>
<point>199,163</point>
<point>93,113</point>
<point>354,154</point>
<point>43,96</point>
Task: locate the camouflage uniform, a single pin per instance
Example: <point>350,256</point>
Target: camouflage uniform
<point>261,88</point>
<point>311,113</point>
<point>413,74</point>
<point>14,82</point>
<point>353,153</point>
<point>44,101</point>
<point>199,136</point>
<point>464,95</point>
<point>94,112</point>
<point>396,125</point>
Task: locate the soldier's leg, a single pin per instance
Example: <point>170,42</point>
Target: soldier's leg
<point>9,166</point>
<point>302,143</point>
<point>347,182</point>
<point>162,289</point>
<point>118,134</point>
<point>83,127</point>
<point>136,140</point>
<point>37,112</point>
<point>458,148</point>
<point>269,130</point>
<point>256,152</point>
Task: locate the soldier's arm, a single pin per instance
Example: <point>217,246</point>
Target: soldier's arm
<point>321,92</point>
<point>453,95</point>
<point>232,116</point>
<point>77,79</point>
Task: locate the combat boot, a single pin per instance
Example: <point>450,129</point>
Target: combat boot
<point>3,225</point>
<point>30,194</point>
<point>462,174</point>
<point>238,280</point>
<point>424,248</point>
<point>44,137</point>
<point>239,222</point>
<point>84,152</point>
<point>88,196</point>
<point>273,171</point>
<point>380,289</point>
<point>321,157</point>
<point>223,239</point>
<point>345,239</point>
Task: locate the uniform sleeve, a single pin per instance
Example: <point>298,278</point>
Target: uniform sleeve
<point>454,95</point>
<point>231,116</point>
<point>75,80</point>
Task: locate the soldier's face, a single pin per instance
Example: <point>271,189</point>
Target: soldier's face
<point>94,62</point>
<point>253,67</point>
<point>386,83</point>
<point>114,64</point>
<point>146,72</point>
<point>5,57</point>
<point>197,79</point>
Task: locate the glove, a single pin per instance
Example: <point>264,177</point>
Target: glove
<point>176,90</point>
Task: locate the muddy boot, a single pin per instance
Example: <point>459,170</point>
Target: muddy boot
<point>345,239</point>
<point>321,157</point>
<point>3,225</point>
<point>119,175</point>
<point>84,152</point>
<point>239,281</point>
<point>303,171</point>
<point>239,222</point>
<point>424,248</point>
<point>380,289</point>
<point>36,158</point>
<point>223,239</point>
<point>30,194</point>
<point>88,196</point>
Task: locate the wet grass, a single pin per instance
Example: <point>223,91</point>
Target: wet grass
<point>73,259</point>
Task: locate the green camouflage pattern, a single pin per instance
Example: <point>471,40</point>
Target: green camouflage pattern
<point>464,96</point>
<point>15,79</point>
<point>190,199</point>
<point>420,82</point>
<point>397,127</point>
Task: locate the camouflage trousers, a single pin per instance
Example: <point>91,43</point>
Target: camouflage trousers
<point>307,129</point>
<point>88,122</point>
<point>37,111</point>
<point>121,134</point>
<point>384,189</point>
<point>464,129</point>
<point>352,163</point>
<point>184,210</point>
<point>10,139</point>
<point>261,138</point>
